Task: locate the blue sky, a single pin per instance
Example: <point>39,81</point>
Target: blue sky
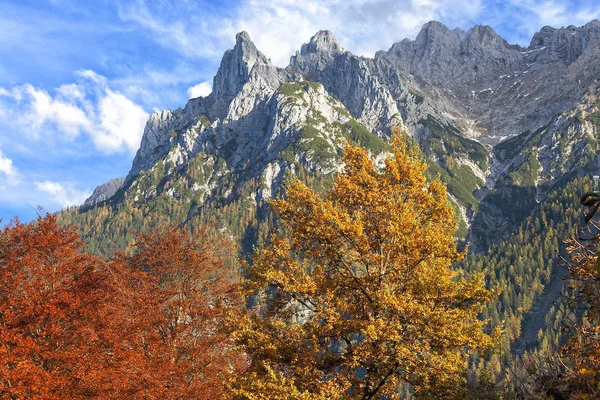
<point>78,79</point>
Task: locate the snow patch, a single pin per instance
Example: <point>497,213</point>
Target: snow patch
<point>532,51</point>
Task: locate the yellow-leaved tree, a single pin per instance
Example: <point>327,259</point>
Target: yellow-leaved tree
<point>358,295</point>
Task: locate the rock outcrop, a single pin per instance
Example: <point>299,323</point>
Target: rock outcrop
<point>103,192</point>
<point>501,90</point>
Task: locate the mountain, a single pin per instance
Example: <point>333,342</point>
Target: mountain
<point>220,157</point>
<point>505,127</point>
<point>103,192</point>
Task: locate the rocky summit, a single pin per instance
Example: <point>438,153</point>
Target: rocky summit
<point>494,119</point>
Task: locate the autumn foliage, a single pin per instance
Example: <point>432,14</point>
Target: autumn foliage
<point>357,295</point>
<point>356,298</point>
<point>50,296</point>
<point>144,325</point>
<point>172,290</point>
<point>582,350</point>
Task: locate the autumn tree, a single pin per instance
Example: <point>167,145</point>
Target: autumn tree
<point>167,338</point>
<point>581,375</point>
<point>357,294</point>
<point>144,325</point>
<point>50,296</point>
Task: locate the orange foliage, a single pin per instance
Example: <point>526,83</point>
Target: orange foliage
<point>50,295</point>
<point>172,290</point>
<point>139,326</point>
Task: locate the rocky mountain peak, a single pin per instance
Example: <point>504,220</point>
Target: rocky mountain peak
<point>236,66</point>
<point>322,48</point>
<point>593,24</point>
<point>565,44</point>
<point>322,41</point>
<point>485,35</point>
<point>433,31</point>
<point>243,36</point>
<point>433,39</point>
<point>433,27</point>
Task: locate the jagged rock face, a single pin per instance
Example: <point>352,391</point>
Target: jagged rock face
<point>441,57</point>
<point>323,42</point>
<point>297,123</point>
<point>320,50</point>
<point>103,192</point>
<point>565,44</point>
<point>236,66</point>
<point>259,119</point>
<point>447,87</point>
<point>375,92</point>
<point>160,130</point>
<point>244,80</point>
<point>478,76</point>
<point>362,92</point>
<point>240,66</point>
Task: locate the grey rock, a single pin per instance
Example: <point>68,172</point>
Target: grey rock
<point>103,192</point>
<point>477,76</point>
<point>242,64</point>
<point>564,44</point>
<point>245,79</point>
<point>472,84</point>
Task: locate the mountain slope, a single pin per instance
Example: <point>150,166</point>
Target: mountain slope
<point>220,157</point>
<point>261,121</point>
<point>503,126</point>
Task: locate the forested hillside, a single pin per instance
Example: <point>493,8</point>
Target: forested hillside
<point>529,269</point>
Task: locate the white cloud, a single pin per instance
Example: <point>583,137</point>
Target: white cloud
<point>171,32</point>
<point>528,16</point>
<point>42,109</point>
<point>280,27</point>
<point>70,91</point>
<point>62,194</point>
<point>91,75</point>
<point>90,106</point>
<point>556,13</point>
<point>202,89</point>
<point>7,168</point>
<point>9,176</point>
<point>122,121</point>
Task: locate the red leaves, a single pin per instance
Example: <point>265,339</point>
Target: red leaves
<point>49,293</point>
<point>145,325</point>
<point>172,289</point>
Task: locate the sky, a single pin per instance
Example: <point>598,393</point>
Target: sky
<point>78,79</point>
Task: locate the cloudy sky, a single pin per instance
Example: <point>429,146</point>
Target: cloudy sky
<point>78,79</point>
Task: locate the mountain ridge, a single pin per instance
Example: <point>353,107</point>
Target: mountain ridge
<point>386,91</point>
<point>505,127</point>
